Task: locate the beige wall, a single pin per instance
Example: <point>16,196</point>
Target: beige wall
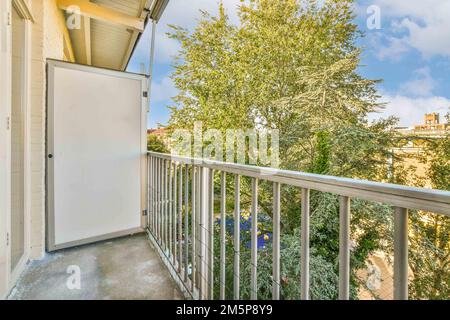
<point>47,42</point>
<point>5,103</point>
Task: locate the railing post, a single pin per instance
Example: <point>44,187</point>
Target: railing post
<point>400,254</point>
<point>223,218</point>
<point>175,213</point>
<point>167,192</point>
<point>276,242</point>
<point>203,230</point>
<point>304,283</point>
<point>180,218</point>
<point>254,241</point>
<point>170,208</point>
<point>165,207</point>
<point>197,224</point>
<point>344,248</point>
<point>149,192</point>
<point>186,224</point>
<point>193,226</point>
<point>211,233</point>
<point>153,195</point>
<point>237,232</point>
<point>161,203</point>
<point>159,209</point>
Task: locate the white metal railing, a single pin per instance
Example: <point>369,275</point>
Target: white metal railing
<point>181,220</point>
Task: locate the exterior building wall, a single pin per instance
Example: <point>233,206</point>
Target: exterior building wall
<point>47,42</point>
<point>5,160</point>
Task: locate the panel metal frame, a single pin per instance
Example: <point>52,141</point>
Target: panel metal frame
<point>49,176</point>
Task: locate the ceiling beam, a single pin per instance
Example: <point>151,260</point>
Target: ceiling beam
<point>81,38</point>
<point>87,40</point>
<point>66,37</point>
<point>154,10</point>
<point>95,11</point>
<point>145,5</point>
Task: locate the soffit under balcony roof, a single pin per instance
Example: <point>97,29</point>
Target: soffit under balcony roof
<point>109,29</point>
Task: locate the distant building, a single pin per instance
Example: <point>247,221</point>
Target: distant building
<point>430,127</point>
<point>412,151</point>
<point>162,134</point>
<point>432,124</point>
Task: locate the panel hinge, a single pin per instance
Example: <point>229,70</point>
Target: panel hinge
<point>8,123</point>
<point>7,239</point>
<point>8,19</point>
<point>145,94</point>
<point>144,213</point>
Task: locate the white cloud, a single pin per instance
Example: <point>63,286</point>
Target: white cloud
<point>163,90</point>
<point>427,24</point>
<point>421,86</point>
<point>394,50</point>
<point>411,110</point>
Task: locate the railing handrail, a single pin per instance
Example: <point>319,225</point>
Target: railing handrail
<point>432,200</point>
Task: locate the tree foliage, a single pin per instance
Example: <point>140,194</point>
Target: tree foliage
<point>155,143</point>
<point>293,65</point>
<point>430,239</point>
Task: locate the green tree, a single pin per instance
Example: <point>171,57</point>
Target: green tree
<point>155,143</point>
<point>430,233</point>
<point>292,65</point>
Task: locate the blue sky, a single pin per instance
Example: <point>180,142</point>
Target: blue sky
<point>410,53</point>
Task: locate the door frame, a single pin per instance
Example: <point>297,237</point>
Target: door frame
<point>21,7</point>
<point>5,145</point>
<point>49,176</point>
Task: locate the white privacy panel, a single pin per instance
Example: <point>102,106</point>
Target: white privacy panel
<point>96,151</point>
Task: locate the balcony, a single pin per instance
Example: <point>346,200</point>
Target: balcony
<point>184,255</point>
<point>187,223</point>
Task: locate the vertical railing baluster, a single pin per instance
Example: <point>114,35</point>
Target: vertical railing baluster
<point>169,211</point>
<point>204,212</point>
<point>180,218</point>
<point>254,241</point>
<point>400,254</point>
<point>174,213</point>
<point>276,241</point>
<point>223,218</point>
<point>152,195</point>
<point>186,223</point>
<point>237,240</point>
<point>148,192</point>
<point>304,283</point>
<point>344,248</point>
<point>155,198</point>
<point>193,225</point>
<point>197,224</point>
<point>165,206</point>
<point>163,197</point>
<point>211,233</point>
<point>159,211</point>
<point>161,216</point>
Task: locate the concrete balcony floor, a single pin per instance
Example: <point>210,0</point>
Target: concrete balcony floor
<point>124,268</point>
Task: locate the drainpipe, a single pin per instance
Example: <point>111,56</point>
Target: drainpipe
<point>152,57</point>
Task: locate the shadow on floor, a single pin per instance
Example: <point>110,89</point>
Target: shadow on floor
<point>124,268</point>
